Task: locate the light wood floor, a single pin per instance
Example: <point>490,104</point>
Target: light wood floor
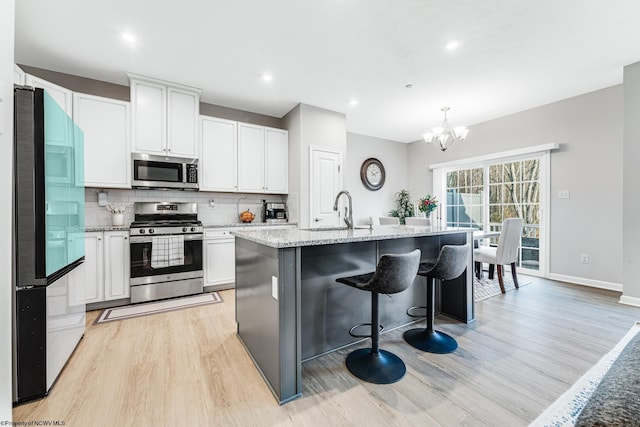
<point>188,368</point>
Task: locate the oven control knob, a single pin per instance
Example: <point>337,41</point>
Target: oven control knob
<point>142,231</point>
<point>193,229</point>
<point>151,231</point>
<point>185,229</point>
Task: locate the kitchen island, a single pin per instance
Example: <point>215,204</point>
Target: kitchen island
<point>289,308</point>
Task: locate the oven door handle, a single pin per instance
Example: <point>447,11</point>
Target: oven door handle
<point>149,239</point>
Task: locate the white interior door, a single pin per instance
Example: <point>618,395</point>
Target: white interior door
<point>325,185</point>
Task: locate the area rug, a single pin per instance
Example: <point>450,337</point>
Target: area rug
<point>486,288</point>
<point>145,309</point>
<point>565,410</point>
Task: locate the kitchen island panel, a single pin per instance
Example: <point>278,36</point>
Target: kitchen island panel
<point>267,326</point>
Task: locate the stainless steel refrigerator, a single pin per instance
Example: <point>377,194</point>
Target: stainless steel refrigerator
<point>48,241</point>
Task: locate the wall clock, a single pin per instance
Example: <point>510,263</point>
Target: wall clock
<point>372,174</point>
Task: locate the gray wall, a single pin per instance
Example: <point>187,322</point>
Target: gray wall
<point>631,204</point>
<point>589,165</point>
<point>308,126</point>
<point>7,15</point>
<point>394,157</point>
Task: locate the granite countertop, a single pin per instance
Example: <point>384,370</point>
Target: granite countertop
<point>91,228</point>
<point>249,224</point>
<point>293,237</point>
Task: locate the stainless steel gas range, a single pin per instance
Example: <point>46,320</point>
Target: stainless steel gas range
<point>166,251</point>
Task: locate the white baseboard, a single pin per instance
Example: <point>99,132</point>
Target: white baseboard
<point>586,282</point>
<point>624,299</point>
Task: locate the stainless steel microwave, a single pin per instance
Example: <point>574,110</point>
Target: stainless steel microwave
<point>164,173</point>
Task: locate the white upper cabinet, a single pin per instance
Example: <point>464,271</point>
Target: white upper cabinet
<point>250,158</point>
<point>18,75</point>
<point>243,157</point>
<point>105,123</point>
<point>164,117</point>
<point>61,95</point>
<point>55,134</point>
<point>183,108</point>
<point>276,169</point>
<point>218,155</point>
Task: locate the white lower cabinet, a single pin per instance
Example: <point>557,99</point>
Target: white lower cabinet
<point>220,255</point>
<point>116,265</point>
<point>104,275</point>
<point>219,259</point>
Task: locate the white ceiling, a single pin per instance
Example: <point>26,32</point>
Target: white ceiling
<point>514,54</point>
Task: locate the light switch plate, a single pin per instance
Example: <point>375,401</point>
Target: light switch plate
<point>274,287</point>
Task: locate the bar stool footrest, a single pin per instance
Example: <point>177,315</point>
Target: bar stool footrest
<point>417,307</point>
<point>359,335</point>
<point>381,368</point>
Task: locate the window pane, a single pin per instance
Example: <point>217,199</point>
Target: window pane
<point>512,171</point>
<point>510,211</point>
<point>495,173</point>
<point>476,215</point>
<point>452,179</point>
<point>495,194</point>
<point>478,191</point>
<point>531,170</point>
<point>530,192</point>
<point>511,193</point>
<point>477,176</point>
<point>495,214</point>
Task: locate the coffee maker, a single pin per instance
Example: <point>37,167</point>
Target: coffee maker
<point>274,212</point>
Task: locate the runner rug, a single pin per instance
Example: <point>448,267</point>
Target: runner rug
<point>485,288</point>
<point>156,307</point>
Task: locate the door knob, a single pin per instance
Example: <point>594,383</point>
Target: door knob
<point>317,219</point>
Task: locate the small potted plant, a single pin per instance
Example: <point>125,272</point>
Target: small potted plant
<point>404,207</point>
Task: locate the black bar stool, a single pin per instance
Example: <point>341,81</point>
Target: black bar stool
<point>394,274</point>
<point>451,262</point>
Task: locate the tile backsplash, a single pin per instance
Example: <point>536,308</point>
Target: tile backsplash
<point>225,209</point>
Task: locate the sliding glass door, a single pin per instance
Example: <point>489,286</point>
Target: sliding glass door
<point>483,195</point>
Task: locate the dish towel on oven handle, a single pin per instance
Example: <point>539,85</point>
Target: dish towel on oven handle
<point>167,251</point>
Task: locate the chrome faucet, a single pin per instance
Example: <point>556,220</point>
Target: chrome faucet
<point>348,219</point>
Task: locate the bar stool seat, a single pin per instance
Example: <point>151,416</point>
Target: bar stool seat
<point>451,262</point>
<point>394,273</point>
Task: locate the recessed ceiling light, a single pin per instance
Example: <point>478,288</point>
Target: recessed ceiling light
<point>129,38</point>
<point>267,78</point>
<point>408,86</point>
<point>353,102</point>
<point>452,45</point>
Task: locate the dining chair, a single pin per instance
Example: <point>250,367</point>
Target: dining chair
<point>505,253</point>
<point>389,220</point>
<point>415,221</point>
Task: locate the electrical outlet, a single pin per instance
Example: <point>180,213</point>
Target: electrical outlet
<point>584,258</point>
<point>563,194</point>
<point>102,198</point>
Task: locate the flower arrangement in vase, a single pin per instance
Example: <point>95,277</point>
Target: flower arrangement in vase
<point>427,204</point>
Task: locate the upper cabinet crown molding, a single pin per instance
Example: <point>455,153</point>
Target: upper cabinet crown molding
<point>164,116</point>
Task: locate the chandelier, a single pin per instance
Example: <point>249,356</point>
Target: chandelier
<point>445,136</point>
